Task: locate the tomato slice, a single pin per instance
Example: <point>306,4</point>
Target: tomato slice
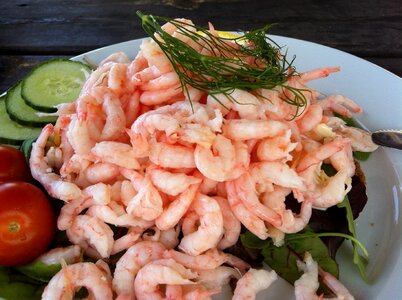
<point>27,223</point>
<point>13,165</point>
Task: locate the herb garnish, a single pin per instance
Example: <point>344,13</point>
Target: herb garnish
<point>228,66</point>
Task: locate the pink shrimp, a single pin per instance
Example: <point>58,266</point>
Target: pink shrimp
<point>231,224</point>
<point>246,217</point>
<point>253,282</point>
<point>318,73</point>
<point>164,271</point>
<point>130,263</point>
<point>241,129</point>
<point>73,277</point>
<point>210,230</point>
<point>217,167</point>
<point>177,208</point>
<point>40,170</point>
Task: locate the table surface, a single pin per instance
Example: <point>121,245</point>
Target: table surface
<point>34,31</point>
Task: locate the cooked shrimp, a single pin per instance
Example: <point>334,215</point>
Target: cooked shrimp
<point>70,255</point>
<point>155,56</point>
<point>360,139</point>
<point>41,171</point>
<point>246,104</point>
<point>246,217</point>
<point>98,194</point>
<point>306,286</point>
<point>252,283</point>
<point>217,167</point>
<point>339,104</point>
<point>324,191</point>
<point>161,96</point>
<point>343,159</point>
<point>241,130</point>
<point>209,260</point>
<point>171,156</point>
<point>101,172</point>
<point>217,277</point>
<point>71,278</point>
<point>147,202</point>
<point>177,208</point>
<point>90,233</point>
<point>246,193</point>
<point>115,118</point>
<point>196,134</point>
<point>318,73</point>
<point>117,57</point>
<point>210,230</point>
<point>79,137</point>
<point>198,292</point>
<point>153,274</point>
<point>110,216</point>
<point>335,285</point>
<point>130,263</point>
<point>162,82</point>
<point>171,183</point>
<point>277,148</point>
<point>170,237</point>
<point>291,222</point>
<point>277,173</point>
<point>131,238</point>
<point>116,153</point>
<point>173,292</point>
<point>310,119</point>
<point>231,224</point>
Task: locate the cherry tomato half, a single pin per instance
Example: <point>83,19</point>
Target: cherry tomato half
<point>13,165</point>
<point>27,223</point>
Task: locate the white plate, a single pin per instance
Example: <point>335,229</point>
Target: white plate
<point>379,92</point>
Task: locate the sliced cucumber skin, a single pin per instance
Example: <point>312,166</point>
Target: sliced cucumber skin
<point>12,133</point>
<point>21,113</point>
<point>36,94</point>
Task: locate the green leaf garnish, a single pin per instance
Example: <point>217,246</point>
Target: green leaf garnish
<point>360,261</point>
<point>229,66</point>
<point>283,259</point>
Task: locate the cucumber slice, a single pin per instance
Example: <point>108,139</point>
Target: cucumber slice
<point>54,82</point>
<point>22,113</point>
<point>12,133</point>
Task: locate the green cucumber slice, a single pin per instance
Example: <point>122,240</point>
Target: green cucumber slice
<point>22,113</point>
<point>54,82</point>
<point>11,132</point>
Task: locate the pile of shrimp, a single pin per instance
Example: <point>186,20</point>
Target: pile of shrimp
<point>167,183</point>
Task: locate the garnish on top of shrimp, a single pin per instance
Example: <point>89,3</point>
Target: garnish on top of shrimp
<point>181,178</point>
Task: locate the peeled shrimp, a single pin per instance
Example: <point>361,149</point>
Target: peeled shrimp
<point>217,167</point>
<point>210,230</point>
<point>277,148</point>
<point>231,224</point>
<point>130,263</point>
<point>71,278</point>
<point>217,277</point>
<point>177,208</point>
<point>153,274</point>
<point>241,129</point>
<point>116,153</point>
<point>92,235</point>
<point>209,260</point>
<point>171,156</point>
<point>40,170</point>
<point>171,183</point>
<point>277,173</point>
<point>251,221</point>
<point>253,282</point>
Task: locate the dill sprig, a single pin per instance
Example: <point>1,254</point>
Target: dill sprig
<point>249,62</point>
